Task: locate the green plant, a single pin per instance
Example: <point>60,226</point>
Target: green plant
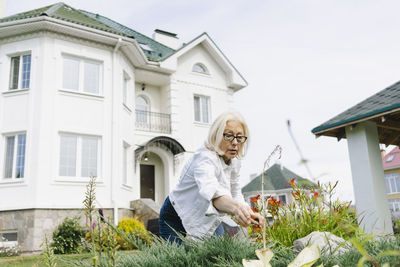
<point>134,228</point>
<point>312,209</point>
<point>88,202</point>
<point>49,258</point>
<point>67,236</point>
<point>9,251</point>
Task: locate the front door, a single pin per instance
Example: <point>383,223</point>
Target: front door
<point>147,181</point>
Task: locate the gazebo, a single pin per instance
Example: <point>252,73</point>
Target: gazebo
<point>374,121</point>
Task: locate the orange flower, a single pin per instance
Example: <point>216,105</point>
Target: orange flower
<point>254,209</point>
<point>316,194</point>
<point>255,199</point>
<point>255,227</point>
<point>272,201</point>
<point>292,183</point>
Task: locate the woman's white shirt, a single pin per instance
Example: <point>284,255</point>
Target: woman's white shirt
<point>204,177</point>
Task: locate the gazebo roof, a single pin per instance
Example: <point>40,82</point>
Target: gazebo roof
<point>382,108</point>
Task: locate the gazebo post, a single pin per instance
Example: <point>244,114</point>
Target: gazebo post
<point>368,178</point>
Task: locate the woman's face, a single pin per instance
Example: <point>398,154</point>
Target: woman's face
<point>231,148</point>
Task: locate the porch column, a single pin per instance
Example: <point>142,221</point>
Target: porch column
<point>368,178</point>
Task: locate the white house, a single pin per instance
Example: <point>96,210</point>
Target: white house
<point>83,95</point>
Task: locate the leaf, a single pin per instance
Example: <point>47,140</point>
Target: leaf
<point>307,257</point>
<point>264,255</point>
<point>252,263</point>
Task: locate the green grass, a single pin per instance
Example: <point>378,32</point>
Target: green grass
<point>31,260</point>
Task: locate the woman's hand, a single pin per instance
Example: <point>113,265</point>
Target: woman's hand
<point>243,214</point>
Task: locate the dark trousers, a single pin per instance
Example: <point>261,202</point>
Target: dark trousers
<point>170,224</point>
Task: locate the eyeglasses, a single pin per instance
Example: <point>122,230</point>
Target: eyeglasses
<point>230,137</point>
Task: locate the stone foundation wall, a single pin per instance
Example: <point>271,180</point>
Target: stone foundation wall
<point>33,224</point>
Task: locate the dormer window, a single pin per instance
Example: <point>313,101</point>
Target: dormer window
<point>200,68</point>
<point>390,158</point>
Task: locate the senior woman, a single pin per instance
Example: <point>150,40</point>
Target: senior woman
<point>209,187</point>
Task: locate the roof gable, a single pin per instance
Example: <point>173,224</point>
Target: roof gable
<point>235,79</point>
<point>275,178</point>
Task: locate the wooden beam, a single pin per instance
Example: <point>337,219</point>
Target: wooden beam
<point>389,124</point>
<point>391,140</point>
<point>340,134</point>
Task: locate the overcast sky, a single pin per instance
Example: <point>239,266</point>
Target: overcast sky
<point>304,60</point>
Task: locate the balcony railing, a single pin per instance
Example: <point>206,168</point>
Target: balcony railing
<point>153,122</point>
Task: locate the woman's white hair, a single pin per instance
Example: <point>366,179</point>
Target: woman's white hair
<point>216,132</point>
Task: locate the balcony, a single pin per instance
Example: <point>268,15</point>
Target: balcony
<point>153,122</point>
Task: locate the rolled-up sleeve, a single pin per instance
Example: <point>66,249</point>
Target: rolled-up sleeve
<point>236,190</point>
<point>206,179</point>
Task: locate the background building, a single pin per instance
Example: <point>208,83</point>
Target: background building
<point>82,95</point>
<point>391,167</point>
<point>276,184</point>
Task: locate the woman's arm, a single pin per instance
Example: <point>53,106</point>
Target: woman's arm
<point>242,213</point>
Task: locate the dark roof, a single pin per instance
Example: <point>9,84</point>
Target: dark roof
<point>64,12</point>
<point>385,100</point>
<point>159,51</point>
<point>275,178</point>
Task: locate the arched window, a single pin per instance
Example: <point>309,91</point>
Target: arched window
<point>142,109</point>
<point>200,68</point>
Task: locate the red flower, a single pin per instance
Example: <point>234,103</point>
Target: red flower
<point>316,194</point>
<point>255,227</point>
<point>292,183</point>
<point>272,201</point>
<point>255,199</point>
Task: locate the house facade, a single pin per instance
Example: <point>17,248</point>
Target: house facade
<point>82,95</point>
<point>391,168</point>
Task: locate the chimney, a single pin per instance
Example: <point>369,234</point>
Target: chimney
<point>166,38</point>
<point>2,8</point>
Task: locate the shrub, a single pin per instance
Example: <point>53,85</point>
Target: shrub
<point>67,236</point>
<point>134,228</point>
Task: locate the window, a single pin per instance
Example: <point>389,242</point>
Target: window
<point>82,75</point>
<point>79,155</point>
<point>20,72</point>
<point>394,205</point>
<point>8,239</point>
<point>200,68</point>
<point>14,164</point>
<point>9,236</point>
<point>125,85</point>
<point>282,198</point>
<point>146,47</point>
<point>390,158</point>
<point>125,163</point>
<point>142,108</point>
<point>392,183</point>
<point>202,108</point>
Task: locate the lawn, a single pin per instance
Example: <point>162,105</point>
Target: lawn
<point>36,260</point>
